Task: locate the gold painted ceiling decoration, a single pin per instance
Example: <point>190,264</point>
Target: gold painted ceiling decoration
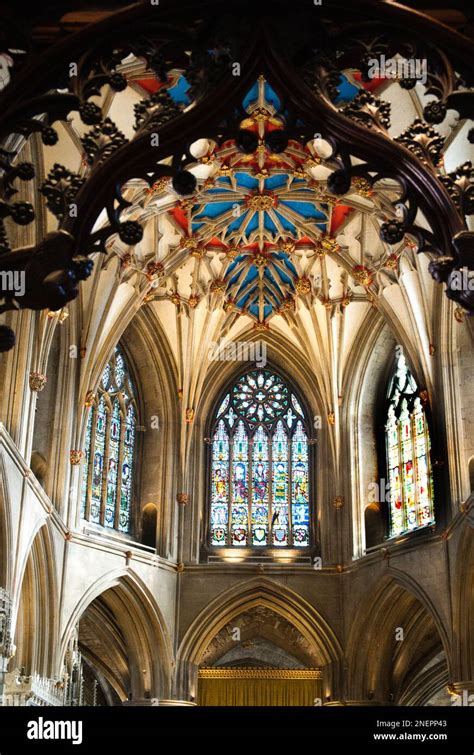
<point>261,222</point>
<point>251,210</point>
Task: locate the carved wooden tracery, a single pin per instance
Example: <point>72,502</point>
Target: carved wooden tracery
<point>301,57</point>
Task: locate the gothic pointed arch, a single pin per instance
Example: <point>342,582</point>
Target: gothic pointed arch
<point>398,614</point>
<point>207,187</point>
<point>34,637</point>
<point>272,594</point>
<point>110,448</point>
<point>207,101</point>
<point>408,453</point>
<point>134,615</point>
<point>260,481</point>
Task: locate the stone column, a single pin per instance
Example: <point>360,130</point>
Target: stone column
<point>185,686</point>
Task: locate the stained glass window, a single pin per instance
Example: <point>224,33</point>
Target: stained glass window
<point>109,450</point>
<point>259,486</point>
<point>408,455</point>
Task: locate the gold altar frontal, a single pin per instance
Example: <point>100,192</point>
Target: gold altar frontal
<point>259,686</point>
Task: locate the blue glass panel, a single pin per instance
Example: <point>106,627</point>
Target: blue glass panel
<point>179,92</point>
<point>347,91</point>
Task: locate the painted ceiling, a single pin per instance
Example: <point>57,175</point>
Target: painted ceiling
<point>260,245</point>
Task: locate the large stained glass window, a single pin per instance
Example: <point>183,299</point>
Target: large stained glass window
<point>106,493</point>
<point>259,486</point>
<point>408,455</point>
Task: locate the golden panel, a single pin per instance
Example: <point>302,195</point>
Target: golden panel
<point>249,672</point>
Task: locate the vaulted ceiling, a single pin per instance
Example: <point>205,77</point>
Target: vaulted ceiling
<point>261,244</point>
<point>259,240</point>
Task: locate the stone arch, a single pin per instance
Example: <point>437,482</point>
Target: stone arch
<point>284,366</point>
<point>368,370</point>
<point>397,603</point>
<point>89,411</point>
<point>35,627</point>
<point>283,356</point>
<point>94,380</point>
<point>257,592</point>
<point>368,366</point>
<point>222,384</point>
<point>152,359</point>
<point>430,682</point>
<point>292,364</point>
<point>134,616</point>
<point>153,371</point>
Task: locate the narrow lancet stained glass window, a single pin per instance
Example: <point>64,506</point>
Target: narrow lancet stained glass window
<point>220,484</point>
<point>260,498</point>
<point>240,486</point>
<point>300,500</point>
<point>87,452</point>
<point>259,487</point>
<point>408,461</point>
<point>98,460</point>
<point>107,483</point>
<point>127,470</point>
<point>114,442</point>
<point>280,517</point>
